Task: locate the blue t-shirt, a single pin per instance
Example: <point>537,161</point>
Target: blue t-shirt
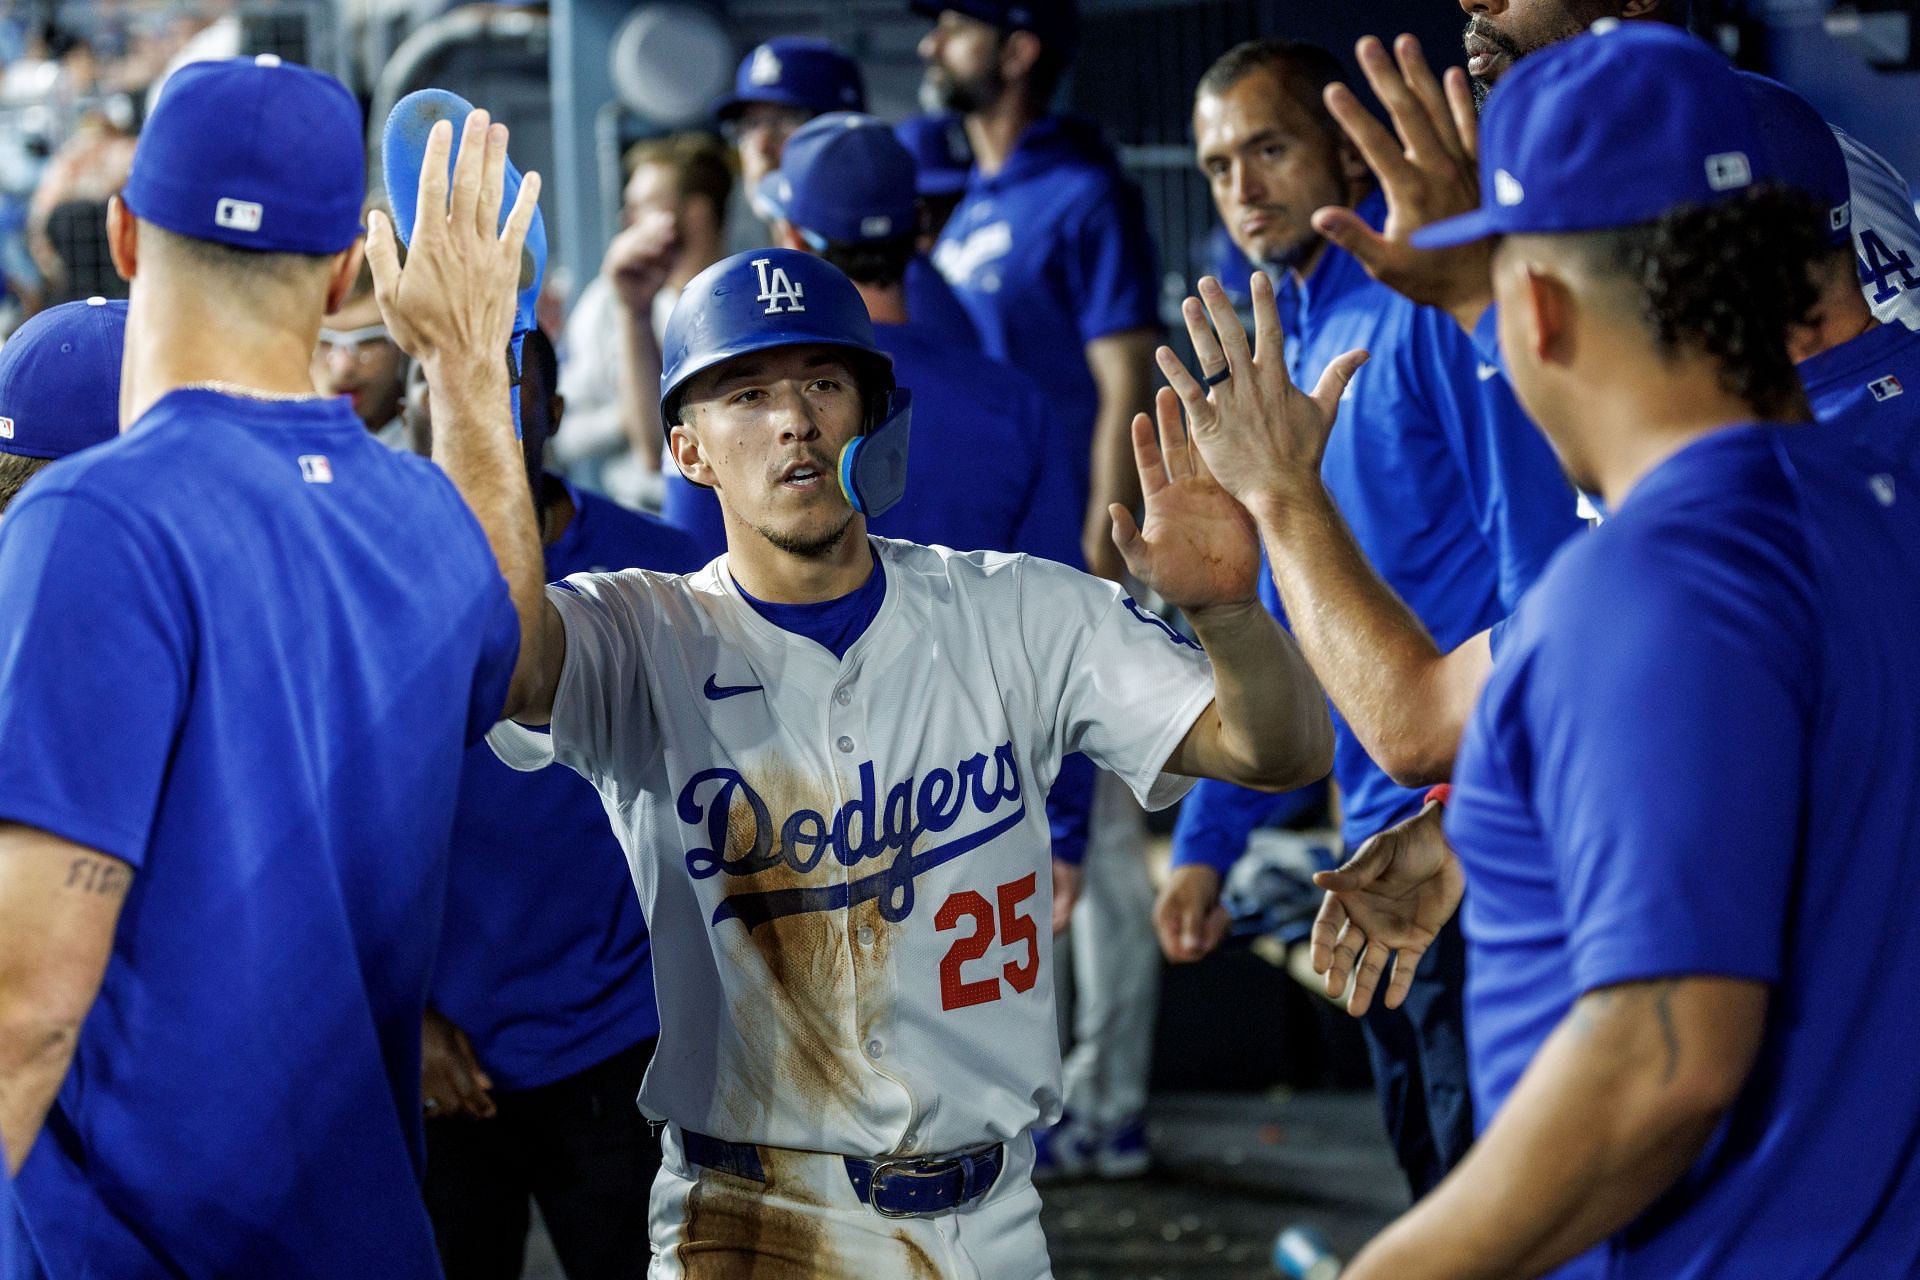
<point>1050,253</point>
<point>1449,488</point>
<point>249,645</point>
<point>1870,383</point>
<point>836,624</point>
<point>1694,758</point>
<point>544,961</point>
<point>933,305</point>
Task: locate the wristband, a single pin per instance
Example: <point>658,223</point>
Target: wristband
<point>1440,795</point>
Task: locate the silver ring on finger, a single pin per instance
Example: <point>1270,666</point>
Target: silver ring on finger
<point>430,1105</point>
<point>1215,379</point>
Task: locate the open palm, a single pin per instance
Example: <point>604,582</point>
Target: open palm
<point>1195,546</point>
<point>1391,898</point>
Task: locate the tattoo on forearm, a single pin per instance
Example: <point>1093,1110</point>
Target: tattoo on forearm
<point>101,876</point>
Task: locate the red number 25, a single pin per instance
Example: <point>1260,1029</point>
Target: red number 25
<point>957,992</point>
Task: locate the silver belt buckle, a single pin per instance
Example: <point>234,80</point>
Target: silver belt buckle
<point>903,1167</point>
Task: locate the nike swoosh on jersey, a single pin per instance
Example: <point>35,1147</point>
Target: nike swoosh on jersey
<point>1487,372</point>
<point>715,691</point>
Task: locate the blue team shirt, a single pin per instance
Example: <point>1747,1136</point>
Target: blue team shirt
<point>934,306</point>
<point>1049,254</point>
<point>1448,487</point>
<point>1693,758</point>
<point>248,645</point>
<point>835,625</point>
<point>544,960</point>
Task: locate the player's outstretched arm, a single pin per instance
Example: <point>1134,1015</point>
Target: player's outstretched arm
<point>1406,701</point>
<point>1620,1099</point>
<point>59,903</point>
<point>1426,173</point>
<point>1268,726</point>
<point>451,307</point>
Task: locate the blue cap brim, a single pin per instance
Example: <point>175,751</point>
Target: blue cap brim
<point>1448,233</point>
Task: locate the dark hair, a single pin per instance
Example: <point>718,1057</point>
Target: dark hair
<point>872,262</point>
<point>1304,69</point>
<point>15,470</point>
<point>1727,281</point>
<point>539,380</point>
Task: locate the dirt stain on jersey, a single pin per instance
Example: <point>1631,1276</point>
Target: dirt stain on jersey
<point>801,1030</point>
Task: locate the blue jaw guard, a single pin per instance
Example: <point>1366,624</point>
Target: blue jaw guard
<point>403,145</point>
<point>873,467</point>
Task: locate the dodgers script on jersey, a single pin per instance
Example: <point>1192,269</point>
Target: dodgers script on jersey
<point>845,862</point>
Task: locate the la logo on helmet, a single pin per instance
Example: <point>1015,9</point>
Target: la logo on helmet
<point>776,290</point>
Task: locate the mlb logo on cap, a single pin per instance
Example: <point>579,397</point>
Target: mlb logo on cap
<point>1729,171</point>
<point>1885,388</point>
<point>238,215</point>
<point>6,428</point>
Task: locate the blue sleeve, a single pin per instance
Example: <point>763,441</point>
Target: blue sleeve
<point>1522,502</point>
<point>695,512</point>
<point>96,645</point>
<point>1215,820</point>
<point>1497,636</point>
<point>1070,808</point>
<point>1111,272</point>
<point>1666,723</point>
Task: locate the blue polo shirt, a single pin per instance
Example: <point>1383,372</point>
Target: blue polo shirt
<point>1050,253</point>
<point>989,468</point>
<point>1870,383</point>
<point>1448,487</point>
<point>250,645</point>
<point>544,960</point>
<point>934,306</point>
<point>1691,760</point>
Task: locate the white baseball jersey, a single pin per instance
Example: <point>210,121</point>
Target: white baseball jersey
<point>1886,233</point>
<point>845,863</point>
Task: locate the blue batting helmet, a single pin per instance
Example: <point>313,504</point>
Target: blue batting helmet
<point>766,298</point>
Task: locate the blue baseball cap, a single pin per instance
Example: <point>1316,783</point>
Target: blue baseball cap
<point>844,178</point>
<point>942,156</point>
<point>1056,22</point>
<point>795,71</point>
<point>1802,152</point>
<point>253,152</point>
<point>60,379</point>
<point>1608,129</point>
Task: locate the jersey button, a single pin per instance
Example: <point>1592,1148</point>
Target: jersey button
<point>845,743</point>
<point>866,935</point>
<point>843,697</point>
<point>875,1048</point>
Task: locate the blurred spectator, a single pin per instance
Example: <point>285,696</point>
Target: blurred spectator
<point>356,358</point>
<point>673,217</point>
<point>67,217</point>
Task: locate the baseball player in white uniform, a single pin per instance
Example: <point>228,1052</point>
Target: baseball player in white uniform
<point>825,756</point>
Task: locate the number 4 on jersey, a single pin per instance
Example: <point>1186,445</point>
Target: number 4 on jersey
<point>960,992</point>
<point>1888,271</point>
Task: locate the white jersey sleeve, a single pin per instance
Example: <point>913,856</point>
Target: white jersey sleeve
<point>1886,233</point>
<point>1127,685</point>
<point>603,717</point>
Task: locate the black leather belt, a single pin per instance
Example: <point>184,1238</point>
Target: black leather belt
<point>895,1187</point>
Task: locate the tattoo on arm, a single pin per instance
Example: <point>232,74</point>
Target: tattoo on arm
<point>1590,1008</point>
<point>105,877</point>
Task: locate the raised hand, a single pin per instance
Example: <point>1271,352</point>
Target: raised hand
<point>1391,898</point>
<point>1427,173</point>
<point>1257,431</point>
<point>455,297</point>
<point>640,258</point>
<point>1196,546</point>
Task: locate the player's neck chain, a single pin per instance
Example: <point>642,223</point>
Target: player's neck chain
<point>248,393</point>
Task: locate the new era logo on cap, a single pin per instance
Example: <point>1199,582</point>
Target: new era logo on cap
<point>1507,189</point>
<point>1840,216</point>
<point>1729,171</point>
<point>238,215</point>
<point>1885,388</point>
